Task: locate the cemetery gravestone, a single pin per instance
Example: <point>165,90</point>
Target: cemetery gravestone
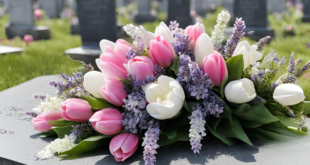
<point>228,5</point>
<point>202,7</point>
<point>144,7</point>
<point>179,10</point>
<point>22,21</point>
<point>120,3</point>
<point>97,21</point>
<point>254,14</point>
<point>9,49</point>
<point>52,8</point>
<point>164,6</point>
<point>306,11</point>
<point>276,6</point>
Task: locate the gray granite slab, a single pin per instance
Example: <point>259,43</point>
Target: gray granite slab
<point>19,142</point>
<point>10,49</point>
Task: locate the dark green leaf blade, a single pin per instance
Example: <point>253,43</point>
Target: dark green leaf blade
<point>175,66</point>
<point>62,131</point>
<point>235,66</point>
<point>62,122</point>
<point>97,103</point>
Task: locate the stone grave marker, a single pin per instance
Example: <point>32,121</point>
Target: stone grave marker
<point>179,10</point>
<point>120,3</point>
<point>255,17</point>
<point>228,5</point>
<point>164,6</point>
<point>22,21</point>
<point>20,143</point>
<point>52,8</point>
<point>97,21</point>
<point>144,15</point>
<point>276,6</point>
<point>9,49</point>
<point>202,7</point>
<point>306,11</point>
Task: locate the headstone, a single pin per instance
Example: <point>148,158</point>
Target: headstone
<point>120,3</point>
<point>144,15</point>
<point>22,21</point>
<point>202,7</point>
<point>72,4</point>
<point>179,10</point>
<point>255,17</point>
<point>164,6</point>
<point>228,5</point>
<point>306,11</point>
<point>127,2</point>
<point>52,8</point>
<point>276,6</point>
<point>97,21</point>
<point>20,143</point>
<point>9,49</point>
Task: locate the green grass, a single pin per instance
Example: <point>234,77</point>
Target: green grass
<point>46,57</point>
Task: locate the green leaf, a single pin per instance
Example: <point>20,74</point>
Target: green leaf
<point>181,135</point>
<point>175,66</point>
<point>249,124</point>
<point>307,108</point>
<point>235,66</point>
<point>62,122</point>
<point>48,133</point>
<point>267,136</point>
<point>173,125</point>
<point>278,127</point>
<point>243,107</point>
<point>239,132</point>
<point>97,103</point>
<point>258,113</point>
<point>189,106</point>
<point>87,145</point>
<point>62,131</point>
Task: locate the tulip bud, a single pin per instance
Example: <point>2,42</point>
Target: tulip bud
<point>28,38</point>
<point>122,47</point>
<point>288,94</point>
<point>93,81</point>
<point>111,69</point>
<point>163,30</point>
<point>250,53</point>
<point>203,48</point>
<point>147,37</point>
<point>194,31</point>
<point>38,14</point>
<point>165,97</point>
<point>214,65</point>
<point>107,121</point>
<point>40,123</point>
<point>161,52</point>
<point>123,146</point>
<point>76,110</point>
<point>240,91</point>
<point>113,91</point>
<point>140,66</point>
<point>268,59</point>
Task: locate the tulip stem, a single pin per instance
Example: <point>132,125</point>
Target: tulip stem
<point>216,90</point>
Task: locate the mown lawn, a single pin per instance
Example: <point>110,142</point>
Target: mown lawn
<point>46,57</point>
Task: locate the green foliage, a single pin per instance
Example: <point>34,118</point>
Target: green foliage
<point>297,109</point>
<point>176,65</point>
<point>307,108</point>
<point>62,123</point>
<point>48,133</point>
<point>235,67</point>
<point>87,145</point>
<point>62,131</point>
<point>97,103</point>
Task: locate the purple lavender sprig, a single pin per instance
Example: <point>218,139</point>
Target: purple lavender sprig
<point>131,54</point>
<point>306,66</point>
<point>234,39</point>
<point>291,66</point>
<point>262,43</point>
<point>89,67</point>
<point>150,142</point>
<point>32,114</point>
<point>39,96</point>
<point>182,43</point>
<point>174,25</point>
<point>250,33</point>
<point>82,130</point>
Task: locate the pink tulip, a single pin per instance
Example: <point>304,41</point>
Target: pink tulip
<point>194,31</point>
<point>124,145</point>
<point>214,65</point>
<point>76,110</point>
<point>113,91</point>
<point>112,63</point>
<point>107,121</point>
<point>161,51</point>
<point>28,38</point>
<point>140,66</point>
<point>38,14</point>
<point>122,47</point>
<point>40,123</point>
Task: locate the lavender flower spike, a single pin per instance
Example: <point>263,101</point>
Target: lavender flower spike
<point>291,66</point>
<point>238,33</point>
<point>306,66</point>
<point>150,143</point>
<point>262,43</point>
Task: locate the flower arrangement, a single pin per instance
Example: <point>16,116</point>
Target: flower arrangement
<point>173,85</point>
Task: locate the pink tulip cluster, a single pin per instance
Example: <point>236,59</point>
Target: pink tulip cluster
<point>124,145</point>
<point>214,65</point>
<point>40,123</point>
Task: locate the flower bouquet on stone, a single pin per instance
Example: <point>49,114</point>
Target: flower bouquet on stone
<point>173,85</point>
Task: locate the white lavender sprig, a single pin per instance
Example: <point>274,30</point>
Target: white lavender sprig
<point>217,35</point>
<point>150,142</point>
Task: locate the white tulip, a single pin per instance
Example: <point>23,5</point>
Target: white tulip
<point>288,94</point>
<point>103,43</point>
<point>165,97</point>
<point>268,59</point>
<point>93,81</point>
<point>240,91</point>
<point>163,30</point>
<point>147,37</point>
<point>250,53</point>
<point>203,48</point>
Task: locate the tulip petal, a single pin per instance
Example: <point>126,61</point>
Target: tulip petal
<point>103,43</point>
<point>288,94</point>
<point>117,142</point>
<point>210,67</point>
<point>93,81</point>
<point>203,48</point>
<point>111,70</point>
<point>108,127</point>
<point>122,47</point>
<point>130,143</point>
<point>147,37</point>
